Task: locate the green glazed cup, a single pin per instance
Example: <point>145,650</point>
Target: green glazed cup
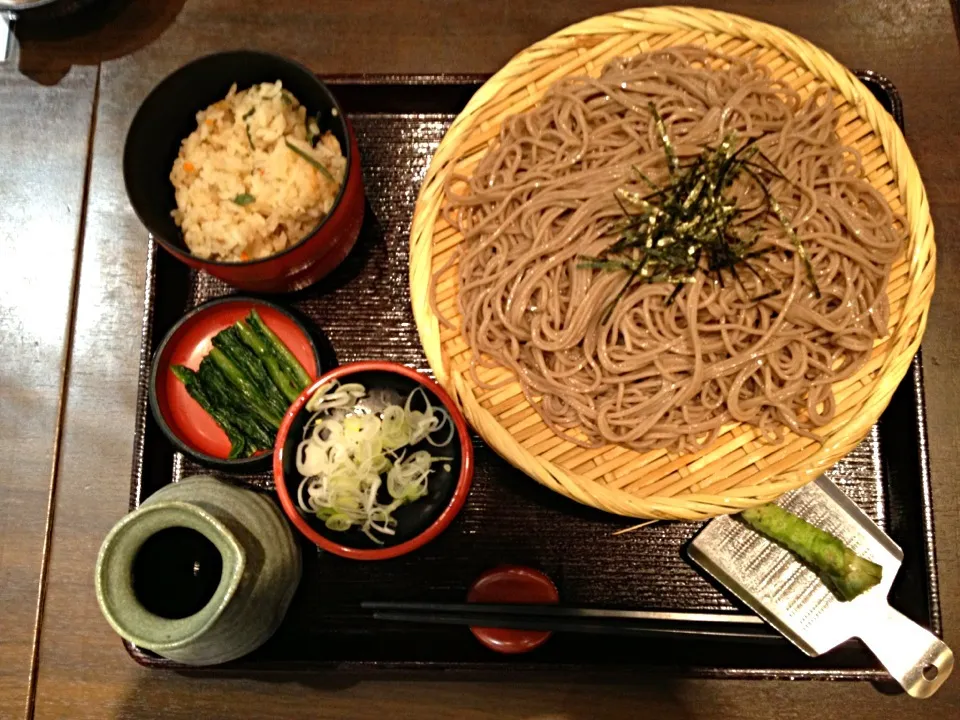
<point>261,568</point>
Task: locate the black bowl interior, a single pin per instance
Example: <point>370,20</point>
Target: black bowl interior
<point>169,115</point>
<point>412,519</point>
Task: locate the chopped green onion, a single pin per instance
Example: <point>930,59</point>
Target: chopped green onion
<point>339,521</point>
<point>316,164</point>
<point>244,199</point>
<point>352,440</point>
<point>313,129</point>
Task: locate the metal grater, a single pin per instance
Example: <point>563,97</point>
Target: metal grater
<point>790,596</point>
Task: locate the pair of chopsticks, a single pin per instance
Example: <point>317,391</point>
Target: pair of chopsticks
<point>557,618</point>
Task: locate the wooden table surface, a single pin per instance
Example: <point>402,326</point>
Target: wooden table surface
<point>73,255</point>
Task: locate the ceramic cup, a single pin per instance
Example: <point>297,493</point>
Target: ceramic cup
<point>250,585</point>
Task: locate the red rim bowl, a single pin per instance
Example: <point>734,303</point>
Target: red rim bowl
<point>512,584</point>
<point>168,116</point>
<point>417,523</point>
<point>183,421</point>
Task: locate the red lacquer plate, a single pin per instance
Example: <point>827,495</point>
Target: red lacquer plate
<point>185,423</point>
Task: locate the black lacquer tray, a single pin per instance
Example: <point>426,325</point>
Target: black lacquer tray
<point>363,312</point>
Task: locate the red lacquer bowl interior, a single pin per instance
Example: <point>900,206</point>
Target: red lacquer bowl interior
<point>418,522</point>
<point>512,584</point>
<point>188,343</point>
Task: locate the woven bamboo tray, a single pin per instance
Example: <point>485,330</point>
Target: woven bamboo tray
<point>739,470</point>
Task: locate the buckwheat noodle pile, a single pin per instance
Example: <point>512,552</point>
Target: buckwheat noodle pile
<point>647,367</point>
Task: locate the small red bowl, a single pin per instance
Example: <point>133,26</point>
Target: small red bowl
<point>168,116</point>
<point>183,421</point>
<point>512,584</point>
<point>418,522</point>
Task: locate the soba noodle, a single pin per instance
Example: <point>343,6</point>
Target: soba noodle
<point>637,367</point>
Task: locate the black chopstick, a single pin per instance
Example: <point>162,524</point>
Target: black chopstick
<point>637,623</point>
<point>560,611</point>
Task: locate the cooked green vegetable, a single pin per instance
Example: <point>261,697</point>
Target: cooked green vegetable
<point>192,383</point>
<point>230,344</point>
<point>257,403</point>
<point>245,383</point>
<point>223,395</point>
<point>244,199</point>
<point>838,566</point>
<point>290,364</point>
<point>288,386</point>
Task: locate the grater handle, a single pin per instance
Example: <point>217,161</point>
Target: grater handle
<point>915,657</point>
<point>8,40</point>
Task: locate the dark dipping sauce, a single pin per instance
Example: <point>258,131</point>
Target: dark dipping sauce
<point>176,572</point>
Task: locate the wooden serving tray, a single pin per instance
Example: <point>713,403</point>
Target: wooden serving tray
<point>363,312</point>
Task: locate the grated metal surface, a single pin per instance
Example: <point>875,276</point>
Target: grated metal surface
<point>787,592</point>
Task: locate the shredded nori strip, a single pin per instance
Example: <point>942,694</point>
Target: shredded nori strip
<point>690,225</point>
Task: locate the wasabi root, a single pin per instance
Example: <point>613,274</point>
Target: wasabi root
<point>837,565</point>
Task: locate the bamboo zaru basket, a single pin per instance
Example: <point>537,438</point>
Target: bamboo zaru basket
<point>740,469</point>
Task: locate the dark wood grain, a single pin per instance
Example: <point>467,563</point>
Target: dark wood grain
<point>84,672</point>
<point>43,151</point>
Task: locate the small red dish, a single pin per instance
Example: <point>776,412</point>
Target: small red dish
<point>512,584</point>
<point>185,423</point>
<point>418,522</point>
<point>168,115</point>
